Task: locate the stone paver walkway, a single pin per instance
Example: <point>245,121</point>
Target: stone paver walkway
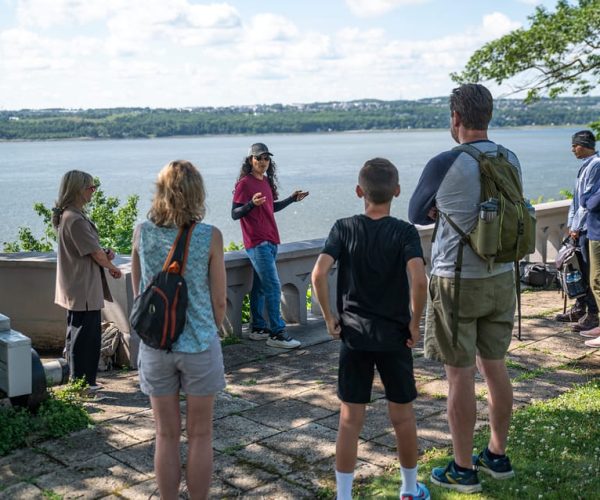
<point>275,425</point>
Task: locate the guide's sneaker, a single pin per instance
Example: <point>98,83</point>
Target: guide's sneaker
<point>498,468</point>
<point>449,477</point>
<point>259,334</point>
<point>282,340</point>
<point>422,493</point>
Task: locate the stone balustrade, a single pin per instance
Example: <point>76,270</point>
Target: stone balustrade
<point>27,283</point>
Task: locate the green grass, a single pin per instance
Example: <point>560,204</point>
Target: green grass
<point>249,382</point>
<point>530,374</point>
<point>554,446</point>
<point>61,414</point>
<point>513,364</point>
<point>230,340</point>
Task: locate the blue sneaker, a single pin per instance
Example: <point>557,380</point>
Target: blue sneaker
<point>499,468</point>
<point>449,477</point>
<point>422,493</point>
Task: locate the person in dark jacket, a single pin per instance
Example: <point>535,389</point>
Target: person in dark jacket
<point>584,312</point>
<point>591,202</point>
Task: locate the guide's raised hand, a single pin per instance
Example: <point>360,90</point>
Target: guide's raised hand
<point>299,195</point>
<point>258,199</point>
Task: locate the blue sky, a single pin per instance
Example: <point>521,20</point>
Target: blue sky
<point>179,53</point>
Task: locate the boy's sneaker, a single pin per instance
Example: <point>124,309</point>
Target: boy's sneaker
<point>259,334</point>
<point>498,468</point>
<point>449,477</point>
<point>282,340</point>
<point>422,493</point>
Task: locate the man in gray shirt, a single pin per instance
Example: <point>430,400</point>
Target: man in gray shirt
<point>450,184</point>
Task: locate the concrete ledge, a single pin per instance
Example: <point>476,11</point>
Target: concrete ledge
<point>28,281</point>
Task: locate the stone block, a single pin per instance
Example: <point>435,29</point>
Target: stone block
<point>97,477</point>
<point>25,464</point>
<point>241,475</point>
<point>231,433</point>
<point>267,459</point>
<point>311,442</point>
<point>286,414</point>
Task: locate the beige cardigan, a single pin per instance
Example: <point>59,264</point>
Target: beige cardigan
<point>80,282</point>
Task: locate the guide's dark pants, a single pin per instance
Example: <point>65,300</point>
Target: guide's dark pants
<point>82,344</point>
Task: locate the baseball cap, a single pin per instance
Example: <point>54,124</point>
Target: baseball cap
<point>259,149</point>
<point>584,138</point>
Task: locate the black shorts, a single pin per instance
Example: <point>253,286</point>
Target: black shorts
<point>357,368</point>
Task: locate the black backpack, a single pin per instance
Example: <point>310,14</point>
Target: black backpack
<point>158,313</point>
<point>569,263</point>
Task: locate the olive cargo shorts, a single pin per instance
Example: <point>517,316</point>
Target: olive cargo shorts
<point>486,319</point>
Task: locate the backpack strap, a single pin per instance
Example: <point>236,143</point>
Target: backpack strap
<point>170,257</point>
<point>464,240</point>
<point>518,292</point>
<point>476,153</point>
<point>470,150</point>
<point>186,249</point>
<point>177,257</point>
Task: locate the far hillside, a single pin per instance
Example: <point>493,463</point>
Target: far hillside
<point>365,114</point>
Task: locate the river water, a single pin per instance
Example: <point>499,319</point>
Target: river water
<point>324,164</point>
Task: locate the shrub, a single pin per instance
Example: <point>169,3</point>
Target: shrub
<point>61,414</point>
<point>115,225</point>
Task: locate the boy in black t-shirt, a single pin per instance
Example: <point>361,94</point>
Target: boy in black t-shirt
<point>374,254</point>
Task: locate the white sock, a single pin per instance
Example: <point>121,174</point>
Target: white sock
<point>409,480</point>
<point>344,485</point>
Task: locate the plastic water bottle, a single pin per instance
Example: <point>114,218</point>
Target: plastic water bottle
<point>573,277</point>
<point>488,210</point>
<point>488,228</point>
<point>574,282</point>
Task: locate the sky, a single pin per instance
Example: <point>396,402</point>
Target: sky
<point>187,53</point>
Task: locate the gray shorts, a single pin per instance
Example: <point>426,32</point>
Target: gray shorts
<point>198,374</point>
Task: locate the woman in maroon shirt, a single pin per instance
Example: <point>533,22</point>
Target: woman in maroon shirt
<point>254,204</point>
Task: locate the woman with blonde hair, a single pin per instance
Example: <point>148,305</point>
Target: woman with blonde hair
<point>81,286</point>
<point>195,365</point>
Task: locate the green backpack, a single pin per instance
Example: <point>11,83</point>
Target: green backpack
<point>505,227</point>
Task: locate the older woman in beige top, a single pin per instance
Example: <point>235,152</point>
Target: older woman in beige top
<point>81,286</point>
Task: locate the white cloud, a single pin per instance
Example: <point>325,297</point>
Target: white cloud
<point>45,13</point>
<point>497,24</point>
<point>179,53</point>
<point>374,8</point>
<point>271,28</point>
<point>24,50</point>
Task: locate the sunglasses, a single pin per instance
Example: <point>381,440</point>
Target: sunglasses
<point>264,157</point>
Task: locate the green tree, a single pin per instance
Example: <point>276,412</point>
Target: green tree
<point>115,225</point>
<point>559,52</point>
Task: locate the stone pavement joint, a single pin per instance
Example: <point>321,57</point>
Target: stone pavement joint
<point>275,425</point>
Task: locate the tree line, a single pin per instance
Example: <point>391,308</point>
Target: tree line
<point>367,114</point>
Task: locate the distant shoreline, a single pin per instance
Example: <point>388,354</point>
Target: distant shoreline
<point>357,131</point>
<point>361,116</point>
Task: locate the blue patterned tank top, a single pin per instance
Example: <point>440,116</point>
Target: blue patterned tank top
<point>153,244</point>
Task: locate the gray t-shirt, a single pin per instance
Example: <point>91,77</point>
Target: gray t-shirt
<point>450,181</point>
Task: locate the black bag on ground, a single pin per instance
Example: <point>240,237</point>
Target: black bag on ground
<point>569,263</point>
<point>158,313</point>
<point>536,274</point>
